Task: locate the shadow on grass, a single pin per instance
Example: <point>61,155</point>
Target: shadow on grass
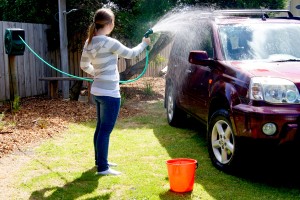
<point>265,173</point>
<point>79,187</point>
<point>273,166</point>
<point>261,171</point>
<point>175,195</point>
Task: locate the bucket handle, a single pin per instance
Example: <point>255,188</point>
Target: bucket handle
<point>197,165</point>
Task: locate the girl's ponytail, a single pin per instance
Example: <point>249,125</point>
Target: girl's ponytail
<point>91,32</point>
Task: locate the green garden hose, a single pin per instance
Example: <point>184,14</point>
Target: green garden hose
<point>82,78</point>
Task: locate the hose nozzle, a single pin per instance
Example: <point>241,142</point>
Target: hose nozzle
<point>150,31</point>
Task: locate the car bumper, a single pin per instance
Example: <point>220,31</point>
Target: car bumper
<point>249,120</point>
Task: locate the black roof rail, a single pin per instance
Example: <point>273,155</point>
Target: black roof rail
<point>250,12</point>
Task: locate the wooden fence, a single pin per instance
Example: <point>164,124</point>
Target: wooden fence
<point>30,68</point>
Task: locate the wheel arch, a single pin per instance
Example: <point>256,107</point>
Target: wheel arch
<point>223,96</point>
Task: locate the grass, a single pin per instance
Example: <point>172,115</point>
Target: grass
<point>148,90</point>
<point>63,168</point>
<point>2,123</point>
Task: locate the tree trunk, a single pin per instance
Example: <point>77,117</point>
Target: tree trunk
<point>75,90</point>
<point>137,68</point>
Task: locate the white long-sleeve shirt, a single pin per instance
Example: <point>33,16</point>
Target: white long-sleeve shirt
<point>100,59</point>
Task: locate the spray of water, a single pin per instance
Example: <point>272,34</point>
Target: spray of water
<point>181,19</point>
<point>186,26</point>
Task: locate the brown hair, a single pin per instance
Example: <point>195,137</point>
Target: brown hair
<point>102,17</point>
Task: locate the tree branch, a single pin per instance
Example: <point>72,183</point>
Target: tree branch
<point>163,40</point>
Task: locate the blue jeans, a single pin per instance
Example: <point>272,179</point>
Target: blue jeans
<point>107,113</point>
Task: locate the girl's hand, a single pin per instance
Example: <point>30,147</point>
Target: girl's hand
<point>147,40</point>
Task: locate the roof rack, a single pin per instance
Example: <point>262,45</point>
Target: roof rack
<point>249,12</point>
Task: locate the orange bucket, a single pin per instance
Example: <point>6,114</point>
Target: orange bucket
<point>181,172</point>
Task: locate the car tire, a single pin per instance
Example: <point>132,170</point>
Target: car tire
<point>222,143</point>
<point>175,115</point>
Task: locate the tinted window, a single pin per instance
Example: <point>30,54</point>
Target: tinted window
<point>260,41</point>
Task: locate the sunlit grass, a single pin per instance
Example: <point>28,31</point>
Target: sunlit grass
<point>63,168</point>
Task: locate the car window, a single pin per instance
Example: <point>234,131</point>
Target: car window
<point>206,43</point>
<point>196,38</point>
<point>271,41</point>
<point>235,41</point>
<point>203,41</point>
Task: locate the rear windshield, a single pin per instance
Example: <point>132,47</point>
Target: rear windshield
<point>274,42</point>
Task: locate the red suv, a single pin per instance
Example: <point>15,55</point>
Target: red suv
<point>238,71</point>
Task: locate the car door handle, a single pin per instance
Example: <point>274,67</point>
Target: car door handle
<point>188,71</point>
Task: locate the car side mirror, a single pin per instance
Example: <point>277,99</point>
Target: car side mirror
<point>199,58</point>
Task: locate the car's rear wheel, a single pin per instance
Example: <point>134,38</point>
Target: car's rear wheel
<point>223,145</point>
<point>175,115</point>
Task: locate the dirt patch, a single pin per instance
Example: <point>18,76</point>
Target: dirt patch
<point>40,118</point>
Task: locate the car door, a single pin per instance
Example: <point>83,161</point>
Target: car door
<point>196,87</point>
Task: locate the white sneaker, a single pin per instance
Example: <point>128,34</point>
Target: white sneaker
<point>111,164</point>
<point>109,171</point>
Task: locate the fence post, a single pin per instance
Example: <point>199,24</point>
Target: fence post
<point>13,86</point>
<point>63,45</point>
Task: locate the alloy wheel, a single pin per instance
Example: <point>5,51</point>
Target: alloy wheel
<point>222,141</point>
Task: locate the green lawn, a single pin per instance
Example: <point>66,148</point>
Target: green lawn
<point>63,168</point>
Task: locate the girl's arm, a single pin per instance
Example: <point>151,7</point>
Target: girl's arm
<point>123,51</point>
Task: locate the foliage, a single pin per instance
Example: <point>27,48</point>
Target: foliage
<point>148,90</point>
<point>133,17</point>
<point>1,121</point>
<point>159,60</point>
<point>16,104</point>
<point>270,4</point>
<point>123,98</point>
<point>27,10</point>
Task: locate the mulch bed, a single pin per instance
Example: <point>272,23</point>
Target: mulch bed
<point>40,118</point>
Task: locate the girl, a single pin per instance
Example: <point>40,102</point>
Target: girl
<point>99,59</point>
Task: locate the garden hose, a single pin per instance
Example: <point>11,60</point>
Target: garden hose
<point>90,79</point>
